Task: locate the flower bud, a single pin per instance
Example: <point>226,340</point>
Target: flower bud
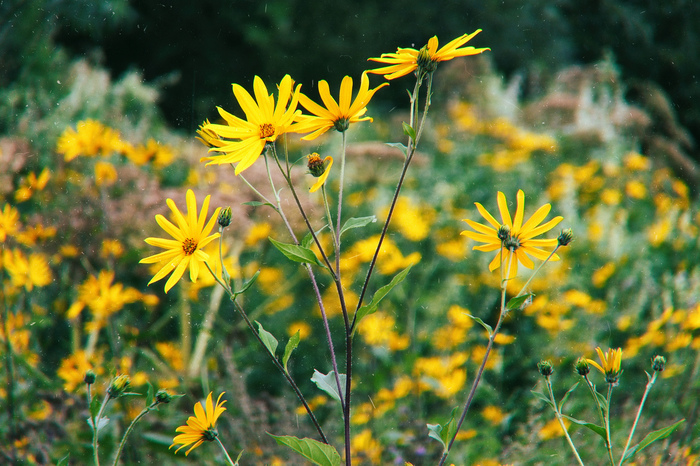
<point>565,237</point>
<point>224,217</point>
<point>162,396</point>
<point>582,367</point>
<point>545,368</point>
<point>315,165</point>
<point>89,377</point>
<point>658,363</point>
<point>118,386</point>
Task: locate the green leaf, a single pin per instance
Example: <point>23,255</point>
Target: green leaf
<point>95,404</point>
<point>63,461</point>
<point>594,427</point>
<point>651,438</point>
<point>371,308</point>
<point>308,239</point>
<point>566,396</point>
<point>518,302</point>
<point>313,450</point>
<point>297,253</point>
<point>267,338</point>
<point>481,322</point>
<point>247,284</point>
<point>542,397</point>
<point>328,384</point>
<point>258,203</point>
<point>444,434</point>
<point>409,131</point>
<point>291,346</point>
<point>399,146</point>
<point>150,395</point>
<point>357,222</point>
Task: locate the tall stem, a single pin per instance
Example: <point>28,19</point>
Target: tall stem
<point>228,458</point>
<point>639,413</point>
<point>129,429</point>
<point>557,413</point>
<point>601,411</point>
<point>607,424</point>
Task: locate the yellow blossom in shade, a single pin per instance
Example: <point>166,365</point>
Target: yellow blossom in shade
<point>413,222</point>
<point>172,355</point>
<point>302,327</point>
<point>190,236</point>
<point>610,363</point>
<point>27,272</point>
<point>366,448</point>
<point>264,123</point>
<point>335,114</point>
<point>407,60</point>
<point>520,241</point>
<point>105,174</point>
<point>601,275</point>
<point>257,233</point>
<point>553,429</point>
<point>493,414</point>
<point>9,222</point>
<point>201,427</point>
<point>74,367</point>
<point>320,169</point>
<point>111,247</point>
<point>636,189</point>
<point>637,162</point>
<point>611,196</point>
<point>32,183</point>
<point>659,231</point>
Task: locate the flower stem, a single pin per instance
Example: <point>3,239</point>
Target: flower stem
<point>130,428</point>
<point>602,415</point>
<point>639,413</point>
<point>95,428</point>
<point>607,424</point>
<point>557,413</point>
<point>228,458</point>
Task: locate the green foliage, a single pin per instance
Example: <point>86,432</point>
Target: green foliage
<point>313,450</point>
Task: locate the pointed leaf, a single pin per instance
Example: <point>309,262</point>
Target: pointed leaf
<point>267,338</point>
<point>518,302</point>
<point>651,438</point>
<point>313,450</point>
<point>594,427</point>
<point>371,308</point>
<point>247,284</point>
<point>399,146</point>
<point>63,461</point>
<point>543,398</point>
<point>357,222</point>
<point>258,203</point>
<point>150,395</point>
<point>297,253</point>
<point>308,239</point>
<point>444,434</point>
<point>291,346</point>
<point>566,396</point>
<point>328,384</point>
<point>409,131</point>
<point>481,322</point>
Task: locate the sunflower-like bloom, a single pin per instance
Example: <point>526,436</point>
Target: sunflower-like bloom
<point>201,427</point>
<point>264,123</point>
<point>512,236</point>
<point>190,236</point>
<point>425,60</point>
<point>336,115</point>
<point>611,362</point>
<point>320,169</point>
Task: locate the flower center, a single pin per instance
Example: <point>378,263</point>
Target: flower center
<point>266,131</point>
<point>341,124</point>
<point>189,246</point>
<point>511,243</point>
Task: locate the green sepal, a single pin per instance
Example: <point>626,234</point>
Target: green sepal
<point>318,453</point>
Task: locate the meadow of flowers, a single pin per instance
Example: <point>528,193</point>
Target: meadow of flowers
<point>237,292</point>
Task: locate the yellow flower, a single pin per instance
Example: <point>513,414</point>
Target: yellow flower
<point>320,169</point>
<point>265,122</point>
<point>105,174</point>
<point>425,60</point>
<point>519,240</point>
<point>9,222</point>
<point>336,115</point>
<point>190,236</point>
<point>201,427</point>
<point>27,271</point>
<point>611,362</point>
<point>90,138</point>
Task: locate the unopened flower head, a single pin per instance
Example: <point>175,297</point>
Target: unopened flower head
<point>582,367</point>
<point>90,377</point>
<point>425,60</point>
<point>118,386</point>
<point>201,427</point>
<point>517,241</point>
<point>610,364</point>
<point>565,237</point>
<point>319,169</point>
<point>545,368</point>
<point>162,396</point>
<point>658,363</point>
<point>224,218</point>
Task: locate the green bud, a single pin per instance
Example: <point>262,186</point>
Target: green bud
<point>658,363</point>
<point>565,237</point>
<point>545,368</point>
<point>90,377</point>
<point>224,217</point>
<point>118,386</point>
<point>162,396</point>
<point>315,165</point>
<point>503,233</point>
<point>582,367</point>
